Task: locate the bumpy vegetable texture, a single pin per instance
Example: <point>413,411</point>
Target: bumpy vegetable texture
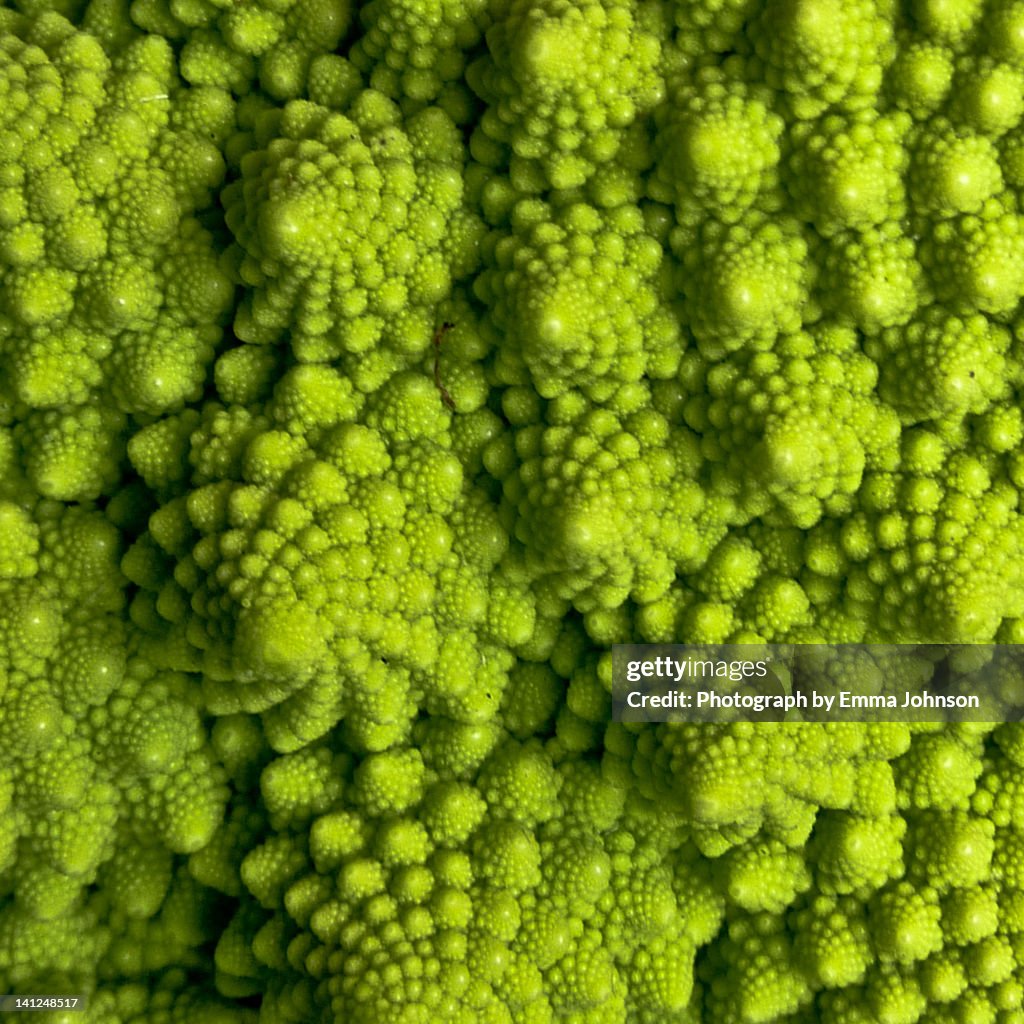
<point>367,371</point>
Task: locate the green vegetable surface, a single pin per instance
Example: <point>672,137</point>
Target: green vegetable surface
<point>368,370</point>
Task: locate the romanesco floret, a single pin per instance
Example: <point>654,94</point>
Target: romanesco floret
<point>847,173</point>
<point>345,226</point>
<point>564,81</point>
<point>719,149</point>
<point>604,503</point>
<point>232,46</point>
<point>111,772</point>
<point>820,53</point>
<point>744,283</point>
<point>541,290</point>
<point>415,51</point>
<point>871,279</point>
<point>795,426</point>
<point>943,367</point>
<point>111,295</point>
<point>328,553</point>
